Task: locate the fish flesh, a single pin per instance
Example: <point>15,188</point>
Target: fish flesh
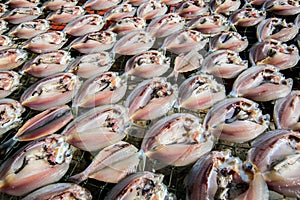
<point>9,82</point>
<point>100,4</point>
<point>20,15</point>
<point>120,11</point>
<point>247,17</point>
<point>282,7</point>
<point>12,58</point>
<point>65,14</point>
<point>23,3</point>
<point>29,29</point>
<point>192,8</point>
<point>5,42</point>
<point>229,40</point>
<point>151,9</point>
<point>58,4</point>
<point>127,25</point>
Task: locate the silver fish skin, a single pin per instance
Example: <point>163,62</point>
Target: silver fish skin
<point>5,42</point>
<point>120,11</point>
<point>276,153</point>
<point>3,26</point>
<point>282,7</point>
<point>98,128</point>
<point>185,41</point>
<point>224,64</point>
<point>35,165</point>
<point>44,123</point>
<point>200,92</point>
<point>219,175</point>
<point>101,89</point>
<point>236,120</point>
<point>229,40</point>
<point>65,14</point>
<point>247,17</point>
<point>54,90</point>
<point>100,4</point>
<point>134,43</point>
<point>141,185</point>
<point>111,164</point>
<point>9,82</point>
<point>165,25</point>
<point>262,83</point>
<point>23,3</point>
<point>149,64</point>
<point>11,111</point>
<point>60,191</point>
<point>95,42</point>
<point>275,53</point>
<point>47,64</point>
<point>286,112</point>
<point>151,9</point>
<point>3,9</point>
<point>210,24</point>
<point>268,28</point>
<point>192,8</point>
<point>27,30</point>
<point>84,24</point>
<point>88,65</point>
<point>58,4</point>
<point>46,42</point>
<point>225,7</point>
<point>12,58</point>
<point>20,15</point>
<point>178,140</point>
<point>127,25</point>
<point>151,99</point>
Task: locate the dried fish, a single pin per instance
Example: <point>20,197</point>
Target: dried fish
<point>192,8</point>
<point>151,9</point>
<point>9,82</point>
<point>236,120</point>
<point>225,6</point>
<point>3,26</point>
<point>200,92</point>
<point>247,16</point>
<point>19,15</point>
<point>120,11</point>
<point>127,25</point>
<point>98,128</point>
<point>12,58</point>
<point>178,140</point>
<point>100,4</point>
<point>229,40</point>
<point>58,4</point>
<point>27,30</point>
<point>37,164</point>
<point>282,7</point>
<point>262,83</point>
<point>3,9</point>
<point>51,91</point>
<point>66,14</point>
<point>151,99</point>
<point>5,42</point>
<point>23,3</point>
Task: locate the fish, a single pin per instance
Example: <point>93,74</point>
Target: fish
<point>12,58</point>
<point>141,185</point>
<point>94,42</point>
<point>101,89</point>
<point>282,7</point>
<point>5,42</point>
<point>23,3</point>
<point>165,25</point>
<point>120,11</point>
<point>219,175</point>
<point>236,120</point>
<point>134,43</point>
<point>192,8</point>
<point>171,2</point>
<point>11,115</point>
<point>274,52</point>
<point>276,28</point>
<point>136,2</point>
<point>286,111</point>
<point>257,2</point>
<point>127,25</point>
<point>151,99</point>
<point>60,191</point>
<point>88,65</point>
<point>30,29</point>
<point>37,164</point>
<point>58,4</point>
<point>200,92</point>
<point>84,24</point>
<point>3,9</point>
<point>9,82</point>
<point>46,42</point>
<point>225,6</point>
<point>111,164</point>
<point>210,24</point>
<point>54,90</point>
<point>3,26</point>
<point>261,83</point>
<point>185,41</point>
<point>229,40</point>
<point>149,64</point>
<point>224,63</point>
<point>20,15</point>
<point>151,9</point>
<point>247,17</point>
<point>65,14</point>
<point>47,64</point>
<point>177,140</point>
<point>98,128</point>
<point>100,4</point>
